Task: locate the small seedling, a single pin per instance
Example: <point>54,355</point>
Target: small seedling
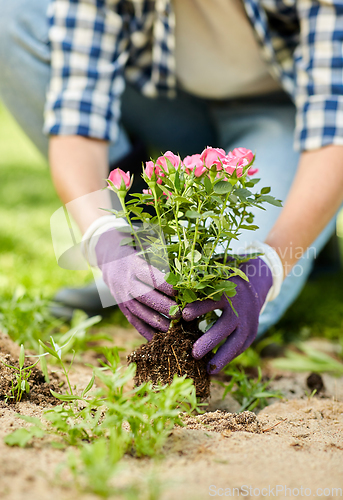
<point>310,395</point>
<point>250,393</point>
<point>22,378</point>
<point>109,422</point>
<point>56,351</point>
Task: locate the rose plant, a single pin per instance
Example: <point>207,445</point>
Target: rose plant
<point>201,204</point>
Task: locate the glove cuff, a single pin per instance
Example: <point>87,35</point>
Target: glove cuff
<point>273,261</point>
<point>93,233</point>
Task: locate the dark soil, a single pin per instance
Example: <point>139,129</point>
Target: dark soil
<point>315,382</point>
<point>39,390</point>
<point>171,353</point>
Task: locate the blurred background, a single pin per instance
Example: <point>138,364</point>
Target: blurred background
<point>29,274</point>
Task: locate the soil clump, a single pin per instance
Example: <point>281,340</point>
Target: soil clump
<point>39,389</point>
<point>170,353</point>
<point>222,421</point>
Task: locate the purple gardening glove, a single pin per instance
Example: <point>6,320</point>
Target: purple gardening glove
<point>140,290</point>
<point>239,331</point>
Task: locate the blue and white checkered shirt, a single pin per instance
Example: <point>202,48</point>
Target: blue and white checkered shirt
<point>97,45</point>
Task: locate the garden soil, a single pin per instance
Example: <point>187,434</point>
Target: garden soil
<point>169,353</point>
<point>296,443</point>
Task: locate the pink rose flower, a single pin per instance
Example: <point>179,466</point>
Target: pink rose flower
<point>195,163</point>
<point>175,160</point>
<point>232,163</point>
<point>213,156</point>
<point>117,176</point>
<point>147,191</point>
<point>150,168</point>
<point>252,171</point>
<point>243,153</point>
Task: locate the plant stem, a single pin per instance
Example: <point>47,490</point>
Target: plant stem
<point>122,202</point>
<point>194,240</point>
<point>67,377</point>
<point>219,231</point>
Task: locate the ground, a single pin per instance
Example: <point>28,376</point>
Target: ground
<point>300,442</point>
<point>297,443</point>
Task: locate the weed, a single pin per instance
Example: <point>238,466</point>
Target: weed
<point>250,394</point>
<point>139,420</point>
<point>109,422</point>
<point>78,337</point>
<point>22,378</point>
<point>26,319</point>
<point>311,360</point>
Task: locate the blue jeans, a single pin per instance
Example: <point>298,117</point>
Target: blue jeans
<point>185,125</point>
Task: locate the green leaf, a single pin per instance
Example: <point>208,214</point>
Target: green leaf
<point>242,193</point>
<point>192,214</point>
<point>20,437</point>
<point>271,200</point>
<point>197,256</point>
<point>217,200</point>
<point>189,296</point>
<point>222,187</point>
<point>22,356</point>
<point>65,397</point>
<point>265,190</point>
<point>48,349</point>
<point>252,182</point>
<point>171,278</point>
<point>136,210</point>
<point>208,185</point>
<point>171,168</point>
<point>182,199</point>
<point>168,230</point>
<point>89,385</point>
<point>127,241</point>
<point>251,227</point>
<point>240,273</point>
<point>158,190</point>
<point>209,213</point>
<point>177,264</point>
<point>173,310</point>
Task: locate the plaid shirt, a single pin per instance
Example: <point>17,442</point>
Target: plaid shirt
<point>97,45</point>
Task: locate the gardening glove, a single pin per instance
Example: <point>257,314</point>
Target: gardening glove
<point>139,289</point>
<point>265,278</point>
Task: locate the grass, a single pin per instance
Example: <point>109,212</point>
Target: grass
<point>318,311</point>
<point>27,201</point>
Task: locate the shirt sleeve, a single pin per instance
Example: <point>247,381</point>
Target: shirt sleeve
<point>89,50</point>
<point>319,76</point>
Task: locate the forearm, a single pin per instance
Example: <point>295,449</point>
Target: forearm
<point>315,197</point>
<point>79,166</point>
